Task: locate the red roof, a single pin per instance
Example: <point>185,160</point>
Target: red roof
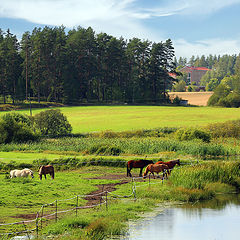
<point>173,75</point>
<point>198,68</point>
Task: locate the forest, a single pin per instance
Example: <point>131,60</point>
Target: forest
<point>81,67</point>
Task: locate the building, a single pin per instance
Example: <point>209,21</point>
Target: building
<point>195,74</point>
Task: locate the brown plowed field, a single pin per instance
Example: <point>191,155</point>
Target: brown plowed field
<point>194,98</point>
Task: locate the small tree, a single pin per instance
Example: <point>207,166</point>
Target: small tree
<point>52,123</point>
<point>220,92</point>
<point>179,87</point>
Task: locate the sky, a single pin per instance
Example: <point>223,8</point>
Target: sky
<point>196,27</point>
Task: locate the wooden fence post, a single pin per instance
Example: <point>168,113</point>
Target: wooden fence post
<point>37,223</point>
<point>134,189</point>
<point>26,230</point>
<point>56,211</point>
<point>76,205</point>
<point>106,201</point>
<point>42,215</point>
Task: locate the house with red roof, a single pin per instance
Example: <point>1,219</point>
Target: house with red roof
<point>195,73</point>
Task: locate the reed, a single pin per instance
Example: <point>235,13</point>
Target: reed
<point>198,176</point>
<point>119,146</point>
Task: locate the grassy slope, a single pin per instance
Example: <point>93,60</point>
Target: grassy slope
<point>120,118</point>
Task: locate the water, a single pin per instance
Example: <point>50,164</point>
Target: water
<point>218,219</point>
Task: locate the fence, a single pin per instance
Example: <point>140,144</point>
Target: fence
<point>45,214</point>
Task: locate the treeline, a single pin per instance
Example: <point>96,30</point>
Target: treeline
<point>227,62</point>
<point>84,67</point>
<point>221,67</point>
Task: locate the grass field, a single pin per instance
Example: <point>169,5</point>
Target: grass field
<point>22,198</point>
<point>120,118</point>
<point>25,196</point>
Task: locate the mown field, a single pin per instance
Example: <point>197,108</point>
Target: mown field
<point>194,98</point>
<point>121,118</point>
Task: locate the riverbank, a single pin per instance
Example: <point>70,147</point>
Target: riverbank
<point>114,221</point>
<point>214,219</point>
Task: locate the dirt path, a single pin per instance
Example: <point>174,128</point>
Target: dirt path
<point>110,187</point>
<point>91,200</point>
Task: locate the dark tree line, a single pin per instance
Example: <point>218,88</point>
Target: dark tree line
<point>84,67</point>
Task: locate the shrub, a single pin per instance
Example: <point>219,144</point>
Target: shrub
<point>52,123</point>
<point>176,101</point>
<point>18,117</point>
<point>16,127</point>
<point>190,134</point>
<point>3,132</point>
<point>233,100</point>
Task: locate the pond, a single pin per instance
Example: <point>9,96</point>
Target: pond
<point>218,219</point>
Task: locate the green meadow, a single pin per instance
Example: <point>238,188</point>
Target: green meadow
<point>83,163</point>
<point>120,118</point>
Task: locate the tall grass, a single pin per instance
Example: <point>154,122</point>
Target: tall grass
<point>226,129</point>
<point>198,176</point>
<point>119,146</point>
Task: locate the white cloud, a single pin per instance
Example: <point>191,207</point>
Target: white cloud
<point>112,16</point>
<point>80,12</point>
<point>206,47</point>
<point>122,18</point>
<point>186,7</point>
<point>207,6</point>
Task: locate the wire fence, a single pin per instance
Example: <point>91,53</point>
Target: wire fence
<point>51,211</point>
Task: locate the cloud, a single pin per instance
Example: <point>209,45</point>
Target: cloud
<point>124,18</point>
<point>112,16</point>
<point>80,12</point>
<point>182,7</point>
<point>206,47</point>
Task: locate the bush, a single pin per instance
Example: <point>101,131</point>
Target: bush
<point>190,134</point>
<point>233,100</point>
<point>176,101</point>
<point>16,127</point>
<point>3,132</point>
<point>18,117</point>
<point>52,123</point>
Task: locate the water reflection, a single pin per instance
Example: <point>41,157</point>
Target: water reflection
<point>218,219</point>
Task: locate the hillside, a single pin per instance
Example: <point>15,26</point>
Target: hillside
<point>194,98</point>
